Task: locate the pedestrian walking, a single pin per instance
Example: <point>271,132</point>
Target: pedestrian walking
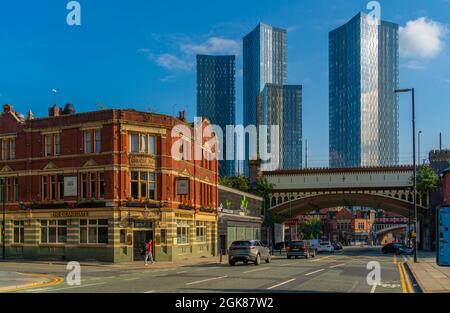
<point>149,252</point>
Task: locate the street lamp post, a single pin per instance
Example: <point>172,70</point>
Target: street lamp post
<point>414,163</point>
<point>3,183</point>
<point>418,147</point>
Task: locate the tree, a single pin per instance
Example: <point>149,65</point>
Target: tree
<point>427,179</point>
<point>237,182</point>
<point>311,228</point>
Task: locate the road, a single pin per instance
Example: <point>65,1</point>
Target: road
<point>344,271</point>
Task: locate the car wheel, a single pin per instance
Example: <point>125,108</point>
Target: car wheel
<point>258,260</point>
<point>307,256</point>
<point>269,258</point>
<point>289,257</point>
<point>231,263</point>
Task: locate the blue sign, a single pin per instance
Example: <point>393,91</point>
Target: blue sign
<point>443,240</point>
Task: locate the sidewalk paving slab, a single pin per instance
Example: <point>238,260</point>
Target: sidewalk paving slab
<point>431,277</point>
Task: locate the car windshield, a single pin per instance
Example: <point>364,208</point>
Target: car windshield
<point>296,244</point>
<point>242,244</point>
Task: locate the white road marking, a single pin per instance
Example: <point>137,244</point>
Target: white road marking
<point>150,291</point>
<point>205,280</point>
<point>37,290</point>
<point>315,272</point>
<point>255,270</point>
<point>135,278</point>
<point>285,264</point>
<point>80,286</point>
<point>337,265</point>
<point>281,284</point>
<point>374,286</point>
<point>181,272</point>
<point>208,268</point>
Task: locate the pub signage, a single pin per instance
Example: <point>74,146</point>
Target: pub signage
<point>71,214</point>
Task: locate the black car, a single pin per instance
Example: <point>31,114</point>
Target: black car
<point>337,245</point>
<point>396,248</point>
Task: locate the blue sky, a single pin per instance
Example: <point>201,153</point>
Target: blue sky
<point>140,54</point>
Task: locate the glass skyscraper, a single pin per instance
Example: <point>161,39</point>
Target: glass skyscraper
<point>264,61</point>
<point>282,105</point>
<point>363,108</point>
<point>216,98</point>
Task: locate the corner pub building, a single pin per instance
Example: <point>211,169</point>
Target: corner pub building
<point>97,185</point>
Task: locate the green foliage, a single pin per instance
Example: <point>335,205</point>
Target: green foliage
<point>427,179</point>
<point>264,187</point>
<point>311,228</point>
<point>237,182</point>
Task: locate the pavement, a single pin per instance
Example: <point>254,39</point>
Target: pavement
<point>342,272</point>
<point>16,281</point>
<point>430,277</point>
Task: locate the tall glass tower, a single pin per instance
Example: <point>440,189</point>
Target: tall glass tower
<point>264,61</point>
<point>282,105</point>
<point>216,99</point>
<point>363,108</point>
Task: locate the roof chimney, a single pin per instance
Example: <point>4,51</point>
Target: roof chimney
<point>54,111</point>
<point>182,116</point>
<point>8,108</point>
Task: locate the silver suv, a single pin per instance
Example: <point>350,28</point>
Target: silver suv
<point>248,251</point>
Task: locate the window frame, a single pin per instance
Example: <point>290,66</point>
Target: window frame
<point>20,225</point>
<point>88,225</point>
<point>59,224</point>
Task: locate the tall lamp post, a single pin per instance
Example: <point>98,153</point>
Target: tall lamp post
<point>418,147</point>
<point>3,183</point>
<point>414,164</point>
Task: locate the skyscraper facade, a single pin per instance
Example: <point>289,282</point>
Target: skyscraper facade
<point>282,105</point>
<point>216,99</point>
<point>264,61</point>
<point>363,108</point>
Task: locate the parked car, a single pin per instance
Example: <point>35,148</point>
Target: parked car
<point>337,245</point>
<point>301,248</point>
<point>397,248</point>
<point>325,246</point>
<point>248,251</point>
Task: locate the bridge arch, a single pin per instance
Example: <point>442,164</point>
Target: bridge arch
<point>329,200</point>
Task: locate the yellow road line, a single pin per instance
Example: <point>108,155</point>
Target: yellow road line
<point>408,281</point>
<point>54,280</point>
<point>402,279</point>
<point>395,259</point>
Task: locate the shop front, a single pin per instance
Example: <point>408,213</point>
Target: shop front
<point>239,216</point>
<point>108,234</point>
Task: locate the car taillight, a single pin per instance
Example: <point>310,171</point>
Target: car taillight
<point>303,248</point>
<point>250,248</point>
<point>288,249</point>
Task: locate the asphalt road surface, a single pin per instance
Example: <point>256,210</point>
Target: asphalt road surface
<point>344,271</point>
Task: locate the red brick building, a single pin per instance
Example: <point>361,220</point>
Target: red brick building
<point>97,185</point>
<point>347,226</point>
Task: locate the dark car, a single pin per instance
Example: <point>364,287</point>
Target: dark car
<point>248,251</point>
<point>396,248</point>
<point>301,248</point>
<point>337,245</point>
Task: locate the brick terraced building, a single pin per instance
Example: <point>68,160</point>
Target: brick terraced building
<point>97,185</point>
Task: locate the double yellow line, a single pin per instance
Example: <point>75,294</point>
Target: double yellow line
<point>53,280</point>
<point>404,277</point>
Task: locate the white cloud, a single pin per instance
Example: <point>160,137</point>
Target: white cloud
<point>172,62</point>
<point>213,45</point>
<point>422,38</point>
<point>183,58</point>
<point>414,65</point>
